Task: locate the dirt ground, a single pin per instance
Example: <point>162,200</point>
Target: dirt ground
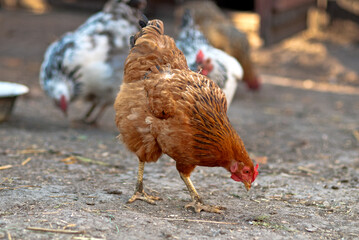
<point>78,178</point>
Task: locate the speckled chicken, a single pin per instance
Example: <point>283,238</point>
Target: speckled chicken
<point>164,107</point>
<point>88,63</point>
<point>222,34</point>
<point>220,67</point>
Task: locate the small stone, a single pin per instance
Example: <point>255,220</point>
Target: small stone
<point>335,187</point>
<point>167,235</point>
<point>311,229</point>
<point>215,232</point>
<point>113,191</point>
<point>222,232</point>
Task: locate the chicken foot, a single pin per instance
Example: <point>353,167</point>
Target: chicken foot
<point>197,203</point>
<point>139,192</point>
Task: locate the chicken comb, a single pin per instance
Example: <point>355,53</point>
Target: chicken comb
<point>255,173</point>
<point>199,57</point>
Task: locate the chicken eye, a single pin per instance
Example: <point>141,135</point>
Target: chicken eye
<point>246,171</point>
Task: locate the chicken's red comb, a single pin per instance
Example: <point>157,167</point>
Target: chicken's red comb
<point>255,173</point>
<point>199,57</point>
<point>253,84</point>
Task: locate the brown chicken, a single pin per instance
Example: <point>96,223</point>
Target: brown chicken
<point>222,34</point>
<point>163,107</point>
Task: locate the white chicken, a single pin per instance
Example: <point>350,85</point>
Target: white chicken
<point>88,63</point>
<point>222,68</point>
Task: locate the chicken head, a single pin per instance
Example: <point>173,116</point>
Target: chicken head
<point>244,174</point>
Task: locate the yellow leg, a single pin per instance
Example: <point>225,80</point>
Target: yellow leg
<point>139,192</point>
<point>197,203</point>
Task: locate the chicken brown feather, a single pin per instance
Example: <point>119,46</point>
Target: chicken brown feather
<point>163,107</point>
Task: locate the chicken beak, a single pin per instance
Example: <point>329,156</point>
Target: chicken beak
<point>247,185</point>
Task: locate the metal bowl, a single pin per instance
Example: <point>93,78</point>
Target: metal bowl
<point>8,94</point>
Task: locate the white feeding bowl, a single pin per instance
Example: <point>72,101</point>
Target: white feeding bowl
<point>8,94</point>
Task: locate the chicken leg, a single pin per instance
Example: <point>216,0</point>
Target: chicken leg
<point>89,112</point>
<point>98,115</point>
<point>139,192</point>
<point>197,203</point>
<point>84,119</point>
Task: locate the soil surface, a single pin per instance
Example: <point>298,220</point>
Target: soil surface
<point>56,175</point>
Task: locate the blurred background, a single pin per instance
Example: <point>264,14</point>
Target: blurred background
<point>309,39</point>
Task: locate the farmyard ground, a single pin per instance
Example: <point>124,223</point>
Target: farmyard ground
<point>307,141</point>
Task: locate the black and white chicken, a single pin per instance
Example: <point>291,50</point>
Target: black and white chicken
<point>88,63</point>
<point>222,68</point>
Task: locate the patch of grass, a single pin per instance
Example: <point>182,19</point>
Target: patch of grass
<point>58,206</point>
<point>6,213</point>
<point>264,221</point>
<point>235,195</point>
<point>110,217</point>
<point>261,218</point>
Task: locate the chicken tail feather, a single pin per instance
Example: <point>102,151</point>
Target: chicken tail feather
<point>152,50</point>
<point>144,20</point>
<point>132,41</point>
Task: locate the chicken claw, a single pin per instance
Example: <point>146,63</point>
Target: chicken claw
<point>144,197</point>
<point>198,207</point>
<point>197,203</point>
<point>139,192</point>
